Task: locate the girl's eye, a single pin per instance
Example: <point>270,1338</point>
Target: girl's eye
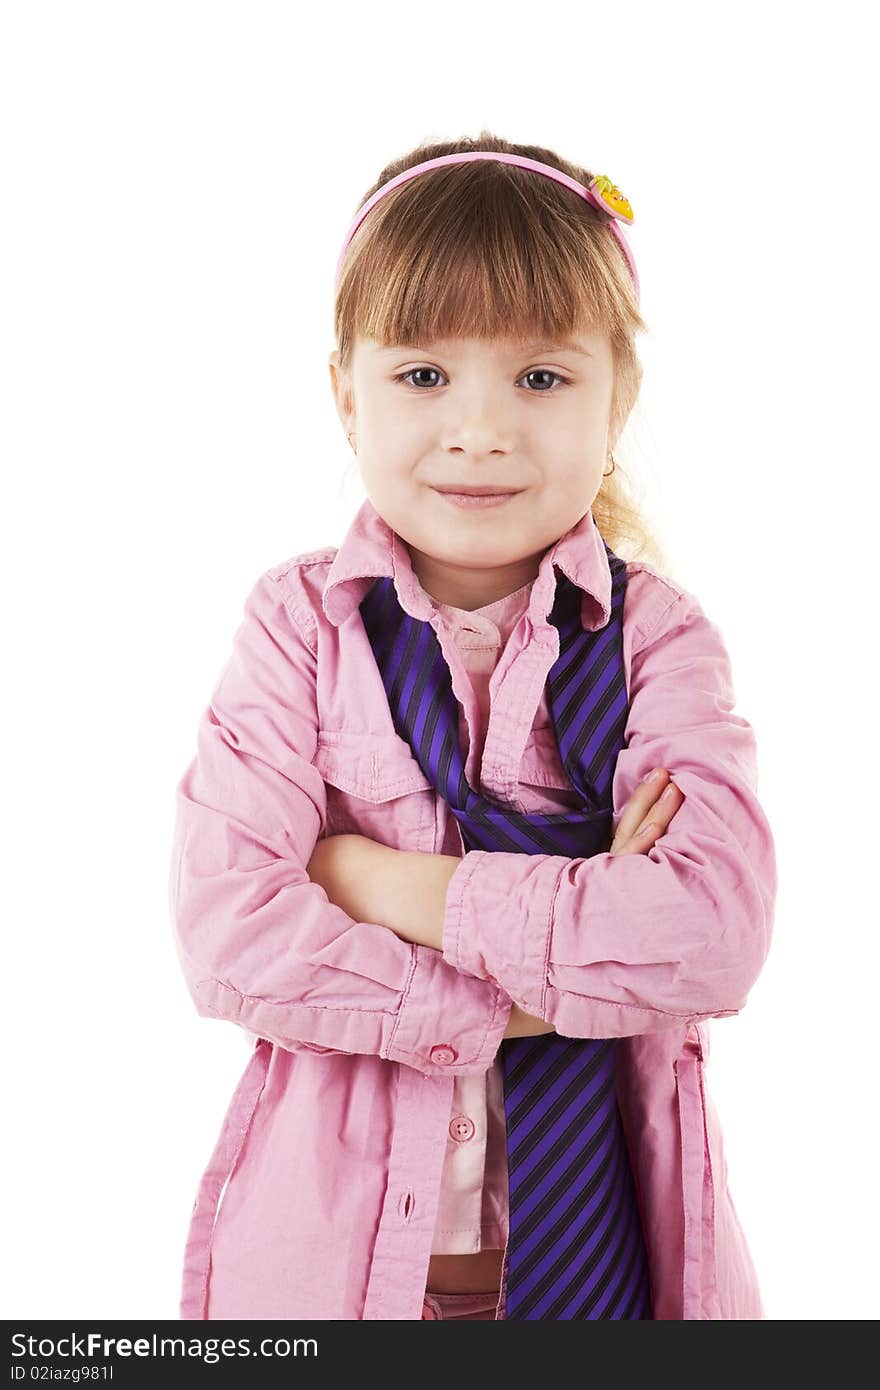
<point>404,376</point>
<point>545,371</point>
<point>536,371</point>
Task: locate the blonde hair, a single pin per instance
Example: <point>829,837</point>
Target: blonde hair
<point>490,250</point>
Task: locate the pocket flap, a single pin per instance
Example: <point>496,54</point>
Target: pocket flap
<point>540,765</point>
<point>375,767</point>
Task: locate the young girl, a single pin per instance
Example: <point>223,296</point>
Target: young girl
<point>418,855</point>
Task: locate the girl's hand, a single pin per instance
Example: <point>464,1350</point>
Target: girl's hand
<point>646,815</point>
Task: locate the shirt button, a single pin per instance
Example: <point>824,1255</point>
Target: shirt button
<point>443,1053</point>
<point>462,1129</point>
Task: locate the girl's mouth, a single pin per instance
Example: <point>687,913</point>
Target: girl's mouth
<point>469,499</point>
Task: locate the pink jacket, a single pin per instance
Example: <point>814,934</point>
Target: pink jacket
<point>330,1157</point>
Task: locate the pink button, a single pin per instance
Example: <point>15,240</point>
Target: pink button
<point>462,1129</point>
<point>443,1053</point>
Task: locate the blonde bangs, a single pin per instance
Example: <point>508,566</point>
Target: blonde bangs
<point>483,250</point>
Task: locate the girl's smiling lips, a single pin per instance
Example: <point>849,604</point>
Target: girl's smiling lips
<point>475,490</point>
<point>487,495</point>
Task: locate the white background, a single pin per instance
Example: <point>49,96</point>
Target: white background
<point>177,180</point>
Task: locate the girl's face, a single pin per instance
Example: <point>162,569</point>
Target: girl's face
<point>467,413</point>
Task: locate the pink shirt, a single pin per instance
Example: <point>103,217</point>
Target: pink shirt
<point>330,1159</point>
<point>472,1211</point>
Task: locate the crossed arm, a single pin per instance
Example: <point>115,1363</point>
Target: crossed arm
<point>601,949</point>
<point>374,883</point>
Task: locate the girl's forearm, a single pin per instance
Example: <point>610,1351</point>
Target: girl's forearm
<point>523,1025</point>
<point>400,889</point>
<point>407,892</point>
<point>403,890</point>
<point>412,897</point>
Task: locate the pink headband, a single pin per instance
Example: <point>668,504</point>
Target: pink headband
<point>601,192</point>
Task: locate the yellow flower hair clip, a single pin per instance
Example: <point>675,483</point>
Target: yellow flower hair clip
<point>610,198</point>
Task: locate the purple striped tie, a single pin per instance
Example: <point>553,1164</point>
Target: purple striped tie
<point>576,1247</point>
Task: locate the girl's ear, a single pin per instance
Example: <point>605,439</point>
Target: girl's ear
<point>335,371</point>
<point>341,391</point>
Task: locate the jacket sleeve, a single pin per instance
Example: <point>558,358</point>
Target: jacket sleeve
<point>613,945</point>
<point>261,945</point>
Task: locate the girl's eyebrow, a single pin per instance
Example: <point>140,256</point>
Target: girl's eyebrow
<point>557,347</point>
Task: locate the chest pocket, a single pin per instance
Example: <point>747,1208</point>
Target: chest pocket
<point>543,779</point>
<point>376,788</point>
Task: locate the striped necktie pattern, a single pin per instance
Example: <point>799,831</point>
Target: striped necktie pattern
<point>576,1247</point>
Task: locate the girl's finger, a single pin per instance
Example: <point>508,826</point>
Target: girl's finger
<point>639,804</point>
<point>662,806</point>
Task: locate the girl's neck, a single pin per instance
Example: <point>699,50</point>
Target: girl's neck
<point>460,587</point>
